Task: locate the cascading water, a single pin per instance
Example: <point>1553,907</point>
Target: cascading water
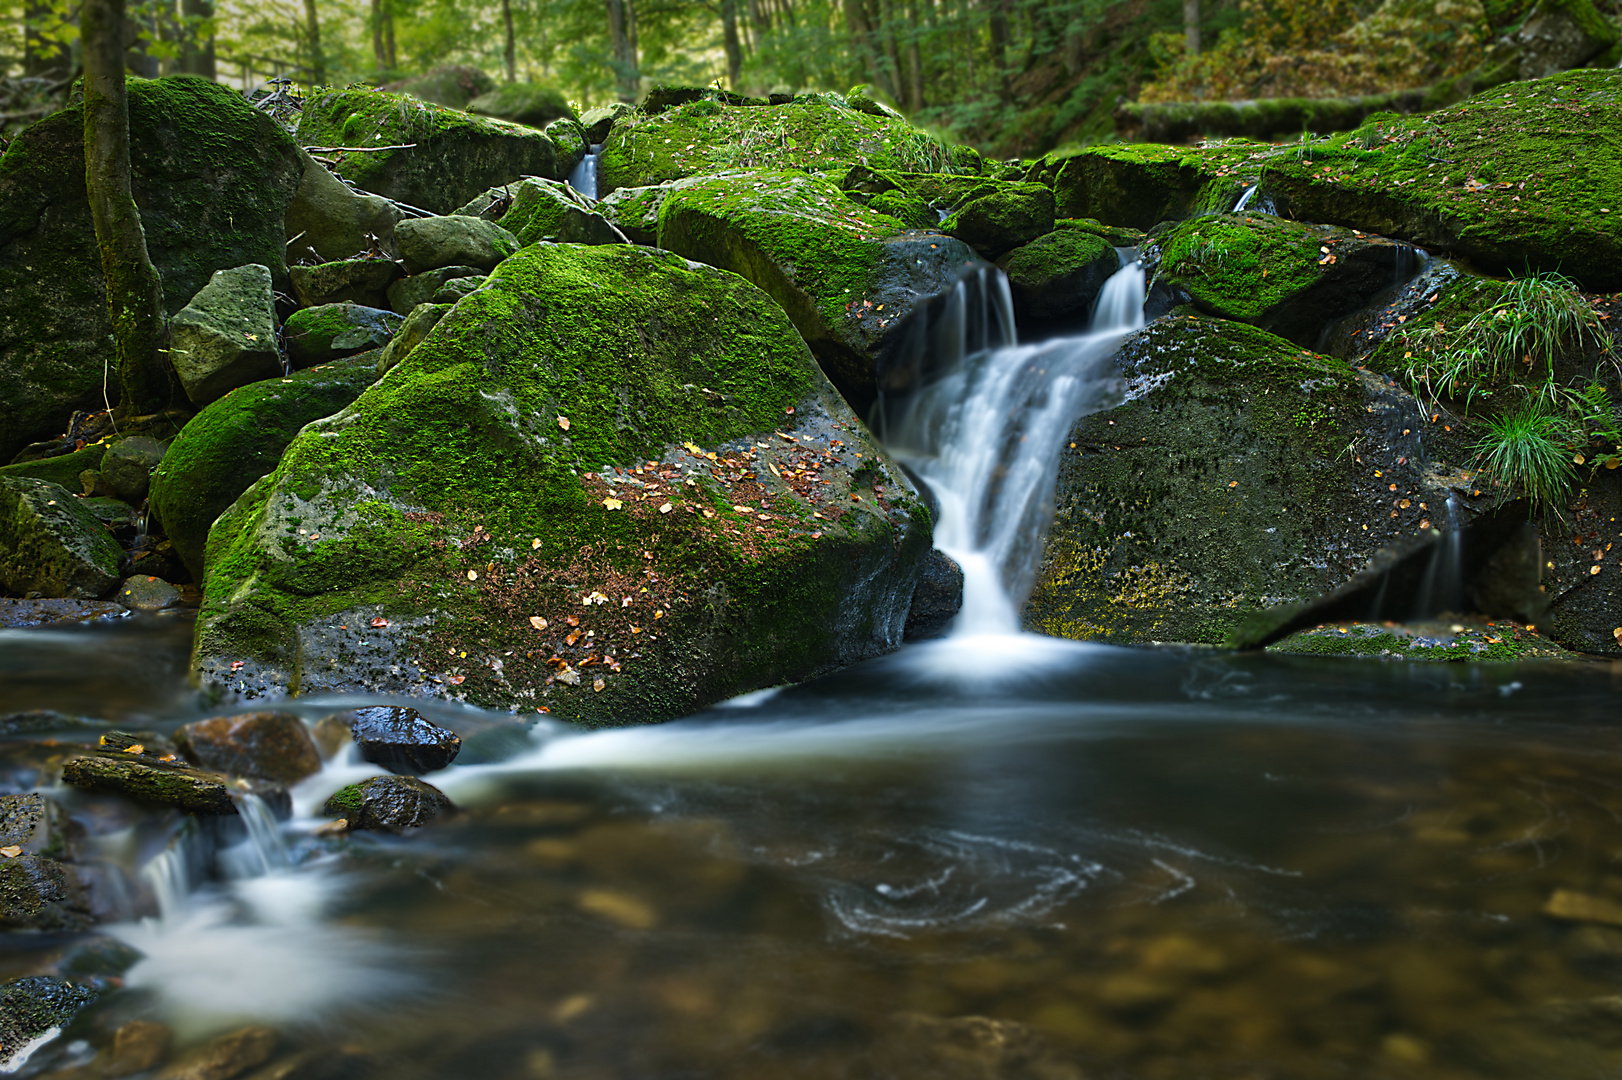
<point>584,177</point>
<point>984,430</point>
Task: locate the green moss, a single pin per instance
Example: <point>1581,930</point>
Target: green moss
<point>1139,185</point>
<point>63,469</point>
<point>911,211</point>
<point>1474,643</point>
<point>1242,266</point>
<point>346,801</point>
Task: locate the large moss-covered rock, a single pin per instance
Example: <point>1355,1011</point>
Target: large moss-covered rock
<point>1139,185</point>
<point>238,439</point>
<point>815,132</point>
<point>321,334</point>
<point>1055,278</point>
<point>535,104</point>
<point>226,336</point>
<point>546,210</point>
<point>1519,177</point>
<point>355,281</point>
<point>332,221</point>
<point>1284,276</point>
<point>51,544</point>
<point>998,222</point>
<point>526,513</point>
<point>1242,473</point>
<point>452,155</point>
<point>453,240</point>
<point>845,275</point>
<point>211,176</point>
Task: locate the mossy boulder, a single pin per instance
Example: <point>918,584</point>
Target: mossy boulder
<point>1287,277</point>
<point>1450,643</point>
<point>191,791</point>
<point>1054,279</point>
<point>595,123</point>
<point>330,221</point>
<point>322,334</point>
<point>453,240</point>
<point>238,439</point>
<point>356,281</point>
<point>456,288</point>
<point>535,104</point>
<point>525,512</point>
<point>32,1006</point>
<point>456,85</point>
<point>127,466</point>
<point>212,177</point>
<point>389,804</point>
<point>546,210</point>
<point>452,157</point>
<point>570,141</point>
<point>910,210</point>
<point>225,337</point>
<point>1521,177</point>
<point>1002,220</point>
<point>1139,185</point>
<point>816,132</point>
<point>408,293</point>
<point>634,211</point>
<point>51,544</point>
<point>1242,473</point>
<point>423,318</point>
<point>847,276</point>
<point>63,469</point>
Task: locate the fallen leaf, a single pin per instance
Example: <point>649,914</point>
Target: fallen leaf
<point>1233,483</point>
<point>597,685</point>
<point>742,509</point>
<point>1593,569</point>
<point>563,422</point>
<point>1404,504</point>
<point>572,638</point>
<point>666,508</point>
<point>535,543</point>
<point>473,575</point>
<point>379,622</point>
<point>569,675</point>
<point>573,620</point>
<point>537,622</point>
<point>457,680</point>
<point>610,504</point>
<point>1579,460</point>
<point>11,851</point>
<point>135,748</point>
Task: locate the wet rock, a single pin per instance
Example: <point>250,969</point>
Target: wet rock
<point>190,791</point>
<point>33,1007</point>
<point>60,468</point>
<point>452,155</point>
<point>238,439</point>
<point>936,600</point>
<point>264,745</point>
<point>51,545</point>
<point>968,1048</point>
<point>119,516</point>
<point>1054,279</point>
<point>1140,185</point>
<point>547,210</point>
<point>423,318</point>
<point>332,733</point>
<point>143,592</point>
<point>773,418</point>
<point>1007,218</point>
<point>454,240</point>
<point>535,104</point>
<point>319,335</point>
<point>402,741</point>
<point>212,177</point>
<point>40,893</point>
<point>22,613</point>
<point>1447,642</point>
<point>334,221</point>
<point>389,804</point>
<point>128,464</point>
<point>224,1058</point>
<point>137,1046</point>
<point>596,122</point>
<point>408,293</point>
<point>570,141</point>
<point>98,957</point>
<point>226,336</point>
<point>355,281</point>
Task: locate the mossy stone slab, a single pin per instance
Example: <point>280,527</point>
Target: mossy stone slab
<point>51,544</point>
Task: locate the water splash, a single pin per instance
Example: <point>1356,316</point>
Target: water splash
<point>584,177</point>
<point>982,425</point>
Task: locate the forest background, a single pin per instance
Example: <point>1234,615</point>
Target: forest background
<point>1010,77</point>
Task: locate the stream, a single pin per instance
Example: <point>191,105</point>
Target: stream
<point>990,855</point>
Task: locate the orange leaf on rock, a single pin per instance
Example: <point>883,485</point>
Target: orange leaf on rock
<point>563,422</point>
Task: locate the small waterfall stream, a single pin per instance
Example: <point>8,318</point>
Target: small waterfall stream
<point>584,177</point>
<point>985,429</point>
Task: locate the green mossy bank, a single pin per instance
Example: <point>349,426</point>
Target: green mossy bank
<point>612,485</point>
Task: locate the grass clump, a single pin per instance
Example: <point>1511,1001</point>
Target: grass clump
<point>1529,448</point>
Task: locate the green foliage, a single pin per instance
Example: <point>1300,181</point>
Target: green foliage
<point>1528,449</point>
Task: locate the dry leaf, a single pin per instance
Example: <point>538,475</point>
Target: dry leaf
<point>535,543</point>
<point>11,851</point>
<point>563,422</point>
<point>135,748</point>
<point>379,622</point>
<point>457,680</point>
<point>742,509</point>
<point>597,685</point>
<point>613,504</point>
<point>573,620</point>
<point>569,675</point>
<point>537,622</point>
<point>665,509</point>
<point>473,575</point>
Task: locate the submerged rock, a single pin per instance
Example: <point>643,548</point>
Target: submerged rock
<point>402,740</point>
<point>226,336</point>
<point>51,544</point>
<point>452,155</point>
<point>224,1057</point>
<point>270,746</point>
<point>321,334</point>
<point>32,1007</point>
<point>389,804</point>
<point>127,466</point>
<point>534,465</point>
<point>238,439</point>
<point>212,177</point>
<point>454,240</point>
<point>17,614</point>
<point>355,281</point>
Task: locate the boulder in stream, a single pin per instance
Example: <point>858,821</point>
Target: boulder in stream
<point>32,1008</point>
<point>224,1057</point>
<point>274,746</point>
<point>389,804</point>
<point>51,544</point>
<point>1003,219</point>
<point>1054,279</point>
<point>154,783</point>
<point>612,484</point>
<point>402,740</point>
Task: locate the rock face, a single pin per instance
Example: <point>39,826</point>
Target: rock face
<point>321,334</point>
<point>455,240</point>
<point>191,791</point>
<point>454,157</point>
<point>335,222</point>
<point>845,275</point>
<point>535,104</point>
<point>595,123</point>
<point>32,1006</point>
<point>816,132</point>
<point>407,293</point>
<point>127,466</point>
<point>144,592</point>
<point>263,745</point>
<point>423,318</point>
<point>1004,219</point>
<point>51,544</point>
<point>389,804</point>
<point>39,893</point>
<point>1055,278</point>
<point>212,177</point>
<point>355,281</point>
<point>495,471</point>
<point>1287,277</point>
<point>547,210</point>
<point>238,439</point>
<point>402,740</point>
<point>226,336</point>
<point>937,600</point>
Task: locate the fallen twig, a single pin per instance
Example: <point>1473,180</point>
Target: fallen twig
<point>356,149</point>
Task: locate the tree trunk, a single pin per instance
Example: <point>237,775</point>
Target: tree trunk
<point>509,51</point>
<point>312,29</point>
<point>380,57</point>
<point>892,54</point>
<point>134,290</point>
<point>388,34</point>
<point>729,39</point>
<point>624,58</point>
<point>915,61</point>
<point>197,44</point>
<point>1191,26</point>
<point>999,47</point>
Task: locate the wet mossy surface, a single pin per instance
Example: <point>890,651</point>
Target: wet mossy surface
<point>475,525</point>
<point>1442,643</point>
<point>1139,185</point>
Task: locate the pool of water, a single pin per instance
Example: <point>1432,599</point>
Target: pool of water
<point>985,857</point>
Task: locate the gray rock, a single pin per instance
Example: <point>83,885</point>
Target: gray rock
<point>143,592</point>
<point>225,1057</point>
<point>454,240</point>
<point>566,135</point>
<point>17,614</point>
<point>423,318</point>
<point>547,210</point>
<point>114,513</point>
<point>936,600</point>
<point>127,466</point>
<point>319,334</point>
<point>226,336</point>
<point>455,290</point>
<point>32,1006</point>
<point>389,804</point>
<point>595,123</point>
<point>39,893</point>
<point>356,281</point>
<point>333,220</point>
<point>402,741</point>
<point>51,544</point>
<point>190,791</point>
<point>407,293</point>
<point>273,746</point>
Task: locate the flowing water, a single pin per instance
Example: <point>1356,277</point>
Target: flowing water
<point>584,177</point>
<point>993,855</point>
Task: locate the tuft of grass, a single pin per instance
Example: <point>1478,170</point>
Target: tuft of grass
<point>1530,449</point>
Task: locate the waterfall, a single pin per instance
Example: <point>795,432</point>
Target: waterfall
<point>982,420</point>
<point>584,177</point>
